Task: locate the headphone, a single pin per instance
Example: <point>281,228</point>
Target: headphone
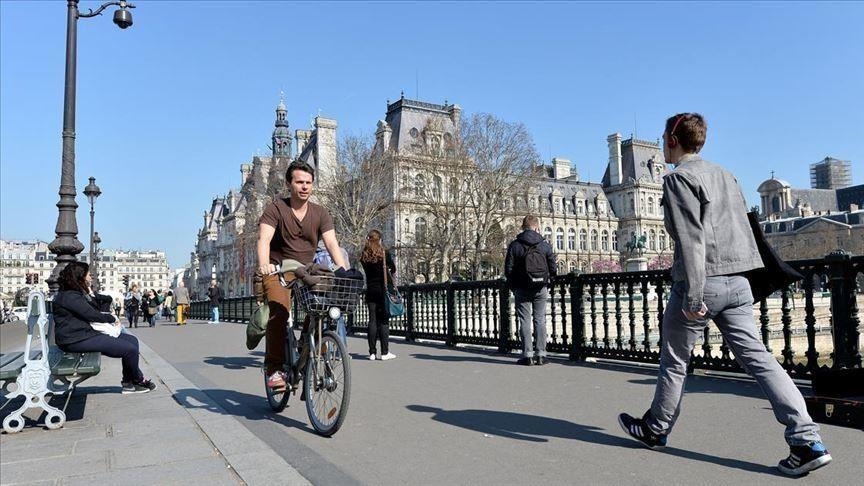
<point>671,139</point>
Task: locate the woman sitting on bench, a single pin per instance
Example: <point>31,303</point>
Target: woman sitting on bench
<point>74,308</point>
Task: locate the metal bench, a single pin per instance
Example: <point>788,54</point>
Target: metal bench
<point>42,369</point>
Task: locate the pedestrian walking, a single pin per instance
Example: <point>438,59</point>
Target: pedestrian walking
<point>705,213</point>
<point>216,295</point>
<point>181,296</point>
<point>132,305</point>
<point>150,307</point>
<point>376,260</point>
<point>168,305</point>
<point>528,267</point>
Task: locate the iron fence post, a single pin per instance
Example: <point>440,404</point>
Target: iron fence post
<point>451,316</point>
<point>844,311</point>
<point>577,303</point>
<point>408,292</point>
<point>504,320</point>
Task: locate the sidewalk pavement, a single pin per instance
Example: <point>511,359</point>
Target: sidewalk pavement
<point>145,439</point>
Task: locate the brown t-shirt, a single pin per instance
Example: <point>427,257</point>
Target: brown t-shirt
<point>295,239</point>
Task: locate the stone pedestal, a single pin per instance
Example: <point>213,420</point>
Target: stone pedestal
<point>637,264</point>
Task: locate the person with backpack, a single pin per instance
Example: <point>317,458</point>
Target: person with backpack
<point>132,304</point>
<point>528,267</point>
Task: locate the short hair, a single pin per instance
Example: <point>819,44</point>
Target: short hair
<point>530,222</point>
<point>299,165</point>
<point>74,277</point>
<point>689,130</point>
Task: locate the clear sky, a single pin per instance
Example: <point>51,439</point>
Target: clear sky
<point>168,109</point>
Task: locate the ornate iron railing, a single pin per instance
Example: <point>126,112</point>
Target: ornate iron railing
<point>619,316</point>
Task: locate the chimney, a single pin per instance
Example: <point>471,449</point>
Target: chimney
<point>560,168</point>
<point>615,175</point>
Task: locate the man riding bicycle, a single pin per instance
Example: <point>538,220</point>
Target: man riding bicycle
<point>289,228</point>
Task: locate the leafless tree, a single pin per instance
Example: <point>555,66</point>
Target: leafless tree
<point>504,159</point>
<point>359,193</point>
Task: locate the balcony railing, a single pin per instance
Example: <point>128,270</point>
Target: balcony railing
<point>618,316</point>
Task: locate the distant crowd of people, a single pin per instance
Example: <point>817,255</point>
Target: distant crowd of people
<point>154,304</point>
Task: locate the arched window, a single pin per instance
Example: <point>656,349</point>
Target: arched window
<point>573,266</point>
<point>540,204</point>
<point>604,240</point>
<point>562,267</point>
<point>662,240</point>
<point>420,231</point>
<point>650,205</point>
<point>547,234</point>
<point>436,189</point>
<point>571,239</point>
<point>593,240</point>
<point>559,238</point>
<point>614,241</point>
<point>583,240</point>
<point>775,204</point>
<point>652,240</point>
<point>419,185</point>
<point>580,204</point>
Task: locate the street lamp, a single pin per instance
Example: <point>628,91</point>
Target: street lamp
<point>94,260</point>
<point>92,191</point>
<point>66,245</point>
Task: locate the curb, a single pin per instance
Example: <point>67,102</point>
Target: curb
<point>250,457</point>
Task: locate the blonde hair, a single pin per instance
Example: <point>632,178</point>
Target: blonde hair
<point>373,251</point>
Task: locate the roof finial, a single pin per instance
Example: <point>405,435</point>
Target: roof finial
<point>281,96</point>
<point>403,94</point>
<point>772,174</point>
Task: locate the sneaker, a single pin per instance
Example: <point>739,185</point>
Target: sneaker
<point>540,360</point>
<point>127,387</point>
<point>804,458</point>
<point>276,381</point>
<point>638,429</point>
<point>388,357</point>
<point>144,386</point>
<point>525,361</point>
<point>372,357</point>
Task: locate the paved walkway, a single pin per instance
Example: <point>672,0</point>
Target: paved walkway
<point>115,439</point>
<point>433,416</point>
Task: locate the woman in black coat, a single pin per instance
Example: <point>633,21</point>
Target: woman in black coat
<point>74,308</point>
<point>373,257</point>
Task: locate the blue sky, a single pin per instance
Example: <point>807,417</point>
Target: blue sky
<point>168,109</point>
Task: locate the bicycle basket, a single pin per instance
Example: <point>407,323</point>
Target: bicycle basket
<point>329,292</point>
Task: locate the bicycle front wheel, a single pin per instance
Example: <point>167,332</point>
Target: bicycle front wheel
<point>328,385</point>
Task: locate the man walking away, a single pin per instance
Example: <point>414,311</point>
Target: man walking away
<point>706,215</point>
<point>528,267</point>
<point>216,295</point>
<point>181,297</point>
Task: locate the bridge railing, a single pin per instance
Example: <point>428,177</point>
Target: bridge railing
<point>812,324</point>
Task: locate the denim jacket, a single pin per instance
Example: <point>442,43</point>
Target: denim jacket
<point>706,215</point>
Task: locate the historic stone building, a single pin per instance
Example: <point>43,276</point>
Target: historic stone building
<point>225,246</point>
<point>810,223</point>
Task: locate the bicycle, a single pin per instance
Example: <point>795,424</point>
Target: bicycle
<point>326,374</point>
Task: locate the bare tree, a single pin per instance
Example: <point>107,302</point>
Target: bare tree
<point>360,192</point>
<point>504,159</point>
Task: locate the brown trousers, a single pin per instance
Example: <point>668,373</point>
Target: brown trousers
<point>279,301</point>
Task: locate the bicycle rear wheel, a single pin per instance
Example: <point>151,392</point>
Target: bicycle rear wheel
<point>277,399</point>
<point>328,385</point>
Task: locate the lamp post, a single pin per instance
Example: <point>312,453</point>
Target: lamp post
<point>95,260</point>
<point>66,245</point>
<point>92,192</point>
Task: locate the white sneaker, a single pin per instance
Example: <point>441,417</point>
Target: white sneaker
<point>388,357</point>
<point>372,357</point>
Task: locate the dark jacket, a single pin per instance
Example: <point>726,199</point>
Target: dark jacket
<point>216,295</point>
<point>375,277</point>
<point>514,262</point>
<point>73,313</point>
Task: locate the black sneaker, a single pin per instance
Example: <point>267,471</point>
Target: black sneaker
<point>525,361</point>
<point>638,429</point>
<point>540,360</point>
<point>144,386</point>
<point>804,458</point>
<point>127,387</point>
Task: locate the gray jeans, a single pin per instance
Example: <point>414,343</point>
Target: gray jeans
<point>528,302</point>
<point>730,306</point>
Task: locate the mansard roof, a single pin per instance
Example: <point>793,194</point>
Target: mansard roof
<point>409,118</point>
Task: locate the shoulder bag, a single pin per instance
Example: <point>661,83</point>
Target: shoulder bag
<point>394,304</point>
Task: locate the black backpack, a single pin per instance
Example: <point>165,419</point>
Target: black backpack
<point>536,268</point>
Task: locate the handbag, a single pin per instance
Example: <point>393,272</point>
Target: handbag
<point>257,326</point>
<point>394,304</point>
<point>107,328</point>
<point>775,274</point>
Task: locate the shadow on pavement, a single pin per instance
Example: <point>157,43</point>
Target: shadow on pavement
<point>465,358</point>
<point>35,417</point>
<point>532,428</point>
<point>234,362</point>
<point>520,426</point>
<point>238,404</point>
